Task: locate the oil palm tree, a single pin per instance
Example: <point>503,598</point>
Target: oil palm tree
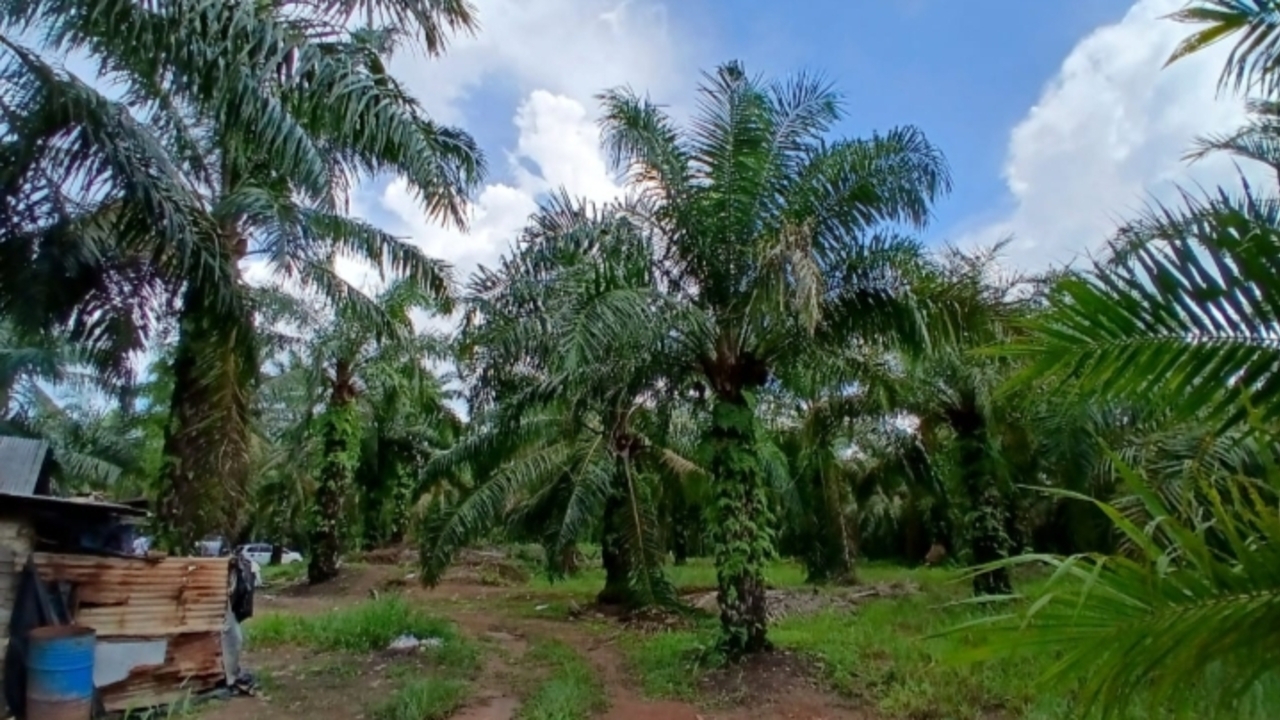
<point>356,367</point>
<point>1181,315</point>
<point>583,402</point>
<point>954,389</point>
<point>770,241</point>
<point>831,407</point>
<point>228,161</point>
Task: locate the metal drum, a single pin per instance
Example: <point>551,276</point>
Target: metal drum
<point>60,673</point>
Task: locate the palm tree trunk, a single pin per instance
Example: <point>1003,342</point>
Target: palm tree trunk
<point>613,551</point>
<point>682,521</point>
<point>987,518</point>
<point>340,430</point>
<point>832,537</point>
<point>205,468</point>
<point>742,531</point>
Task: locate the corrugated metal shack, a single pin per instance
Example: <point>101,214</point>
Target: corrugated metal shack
<point>159,620</point>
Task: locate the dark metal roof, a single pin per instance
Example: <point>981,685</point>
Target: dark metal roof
<point>70,505</point>
<point>21,460</point>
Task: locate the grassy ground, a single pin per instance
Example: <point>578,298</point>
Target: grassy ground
<point>284,574</point>
<point>570,691</point>
<point>891,658</point>
<point>423,685</point>
<point>901,656</point>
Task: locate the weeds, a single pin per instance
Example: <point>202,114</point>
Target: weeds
<point>670,664</point>
<point>571,691</point>
<point>423,699</point>
<point>366,627</point>
<point>284,574</point>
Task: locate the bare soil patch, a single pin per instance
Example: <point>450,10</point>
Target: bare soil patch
<point>786,602</point>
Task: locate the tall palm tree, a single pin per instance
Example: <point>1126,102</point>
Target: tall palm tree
<point>234,160</point>
<point>954,389</point>
<point>770,241</point>
<point>355,367</point>
<point>583,402</point>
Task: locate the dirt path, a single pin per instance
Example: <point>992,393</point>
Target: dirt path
<point>504,678</point>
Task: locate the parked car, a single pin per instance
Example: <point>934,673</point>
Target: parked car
<point>261,554</point>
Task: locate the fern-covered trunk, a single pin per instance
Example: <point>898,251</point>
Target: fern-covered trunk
<point>742,528</point>
<point>613,550</point>
<point>205,468</point>
<point>831,535</point>
<point>340,430</point>
<point>683,522</point>
<point>986,522</point>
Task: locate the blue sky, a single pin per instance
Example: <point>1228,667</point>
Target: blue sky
<point>1055,115</point>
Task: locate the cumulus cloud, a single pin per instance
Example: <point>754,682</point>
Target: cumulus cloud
<point>558,146</point>
<point>557,54</point>
<point>574,48</point>
<point>1107,136</point>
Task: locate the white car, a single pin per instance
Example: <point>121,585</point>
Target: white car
<point>261,554</point>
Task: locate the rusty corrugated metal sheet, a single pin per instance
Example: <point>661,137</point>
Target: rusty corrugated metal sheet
<point>143,597</point>
<point>193,664</point>
<point>180,599</point>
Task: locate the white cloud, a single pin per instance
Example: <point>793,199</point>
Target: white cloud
<point>557,54</point>
<point>557,137</point>
<point>1108,135</point>
<point>574,48</point>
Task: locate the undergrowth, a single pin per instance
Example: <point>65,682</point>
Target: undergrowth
<point>369,626</point>
<point>284,574</point>
<point>431,698</point>
<point>893,654</point>
<point>570,691</point>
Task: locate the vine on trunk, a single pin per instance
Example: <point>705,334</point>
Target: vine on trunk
<point>743,535</point>
<point>340,428</point>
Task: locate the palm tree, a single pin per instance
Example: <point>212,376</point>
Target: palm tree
<point>832,408</point>
<point>1180,315</point>
<point>357,367</point>
<point>954,389</point>
<point>219,163</point>
<point>582,404</point>
<point>43,383</point>
<point>769,242</point>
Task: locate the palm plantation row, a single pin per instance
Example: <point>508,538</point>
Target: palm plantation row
<point>749,353</point>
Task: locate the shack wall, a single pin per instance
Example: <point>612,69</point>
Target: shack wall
<point>17,540</point>
<point>159,622</point>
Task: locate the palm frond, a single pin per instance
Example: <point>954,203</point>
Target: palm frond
<point>1189,609</point>
<point>1255,57</point>
<point>1185,310</point>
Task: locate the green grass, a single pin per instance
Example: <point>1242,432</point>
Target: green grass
<point>669,664</point>
<point>423,699</point>
<point>901,656</point>
<point>570,691</point>
<point>878,655</point>
<point>422,686</point>
<point>367,627</point>
<point>284,574</point>
<point>699,573</point>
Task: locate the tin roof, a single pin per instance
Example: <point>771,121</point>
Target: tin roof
<point>21,460</point>
<point>71,506</point>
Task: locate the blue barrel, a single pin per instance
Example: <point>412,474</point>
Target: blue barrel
<point>60,673</point>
